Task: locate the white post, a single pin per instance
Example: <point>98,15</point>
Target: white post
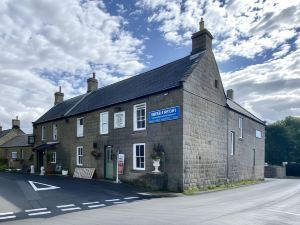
<point>117,178</point>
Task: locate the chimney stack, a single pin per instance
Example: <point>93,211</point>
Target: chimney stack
<point>0,128</point>
<point>201,40</point>
<point>16,123</point>
<point>92,83</point>
<point>230,94</point>
<point>58,96</point>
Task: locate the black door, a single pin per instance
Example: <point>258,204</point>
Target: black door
<point>39,160</point>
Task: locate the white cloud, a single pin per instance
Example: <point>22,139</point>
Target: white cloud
<point>45,43</point>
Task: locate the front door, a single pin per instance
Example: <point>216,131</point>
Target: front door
<point>39,160</point>
<point>109,163</point>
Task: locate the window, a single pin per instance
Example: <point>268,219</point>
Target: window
<point>241,127</point>
<point>79,156</point>
<point>216,83</point>
<point>104,123</point>
<point>54,132</point>
<point>119,120</point>
<point>14,155</point>
<point>258,134</point>
<point>139,156</point>
<point>79,127</point>
<point>43,133</point>
<point>139,114</point>
<point>53,157</point>
<point>232,143</point>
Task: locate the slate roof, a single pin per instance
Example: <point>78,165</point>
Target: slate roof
<point>236,107</point>
<point>18,141</point>
<point>4,132</point>
<point>154,81</point>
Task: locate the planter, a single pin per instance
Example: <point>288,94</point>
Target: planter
<point>156,164</point>
<point>64,172</point>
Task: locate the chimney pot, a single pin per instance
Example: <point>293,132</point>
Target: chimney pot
<point>92,83</point>
<point>16,123</point>
<point>230,94</point>
<point>58,96</point>
<point>201,24</point>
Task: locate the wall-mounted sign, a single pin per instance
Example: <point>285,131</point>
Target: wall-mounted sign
<point>121,159</point>
<point>172,113</point>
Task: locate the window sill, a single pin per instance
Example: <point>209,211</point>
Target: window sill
<point>138,170</point>
<point>79,137</point>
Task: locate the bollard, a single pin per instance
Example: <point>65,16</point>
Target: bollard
<point>42,171</point>
<point>32,169</point>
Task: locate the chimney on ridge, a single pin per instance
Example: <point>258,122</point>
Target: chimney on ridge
<point>201,40</point>
<point>92,83</point>
<point>230,94</point>
<point>58,96</point>
<point>15,123</point>
<point>0,128</point>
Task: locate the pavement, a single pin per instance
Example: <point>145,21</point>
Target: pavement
<point>274,202</point>
<point>23,196</point>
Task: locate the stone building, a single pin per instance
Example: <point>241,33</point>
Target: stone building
<point>14,146</point>
<point>207,138</point>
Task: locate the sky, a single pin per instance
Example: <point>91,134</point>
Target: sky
<point>49,43</point>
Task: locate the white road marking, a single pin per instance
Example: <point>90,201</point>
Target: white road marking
<point>96,206</point>
<point>128,198</point>
<point>39,213</point>
<point>6,213</point>
<point>90,203</point>
<point>142,193</point>
<point>7,217</point>
<point>34,210</point>
<point>65,206</point>
<point>48,187</point>
<point>119,202</point>
<point>71,209</point>
<point>112,200</point>
<point>295,214</point>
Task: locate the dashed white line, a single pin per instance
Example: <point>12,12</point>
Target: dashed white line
<point>96,206</point>
<point>70,209</point>
<point>90,203</point>
<point>34,210</point>
<point>7,217</point>
<point>290,213</point>
<point>112,200</point>
<point>119,202</point>
<point>39,213</point>
<point>146,194</point>
<point>128,198</point>
<point>65,206</point>
<point>6,213</point>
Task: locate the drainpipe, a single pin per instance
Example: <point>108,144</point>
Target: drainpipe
<point>227,158</point>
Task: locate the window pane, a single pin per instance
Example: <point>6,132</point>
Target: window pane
<point>137,150</point>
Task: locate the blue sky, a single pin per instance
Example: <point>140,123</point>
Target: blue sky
<point>48,43</point>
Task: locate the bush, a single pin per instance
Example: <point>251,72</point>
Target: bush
<point>3,165</point>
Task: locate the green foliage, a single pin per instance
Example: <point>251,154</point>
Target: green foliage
<point>283,141</point>
<point>3,165</point>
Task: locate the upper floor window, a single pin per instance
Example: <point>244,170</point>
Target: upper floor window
<point>80,127</point>
<point>232,143</point>
<point>79,156</point>
<point>241,127</point>
<point>139,156</point>
<point>139,117</point>
<point>104,123</point>
<point>119,120</point>
<point>258,134</point>
<point>54,132</point>
<point>43,133</point>
<point>53,157</point>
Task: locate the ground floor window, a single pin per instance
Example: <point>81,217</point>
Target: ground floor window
<point>232,143</point>
<point>79,156</point>
<point>139,156</point>
<point>53,157</point>
<point>14,155</point>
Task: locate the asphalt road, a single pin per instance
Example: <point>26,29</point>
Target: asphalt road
<point>24,196</point>
<point>274,202</point>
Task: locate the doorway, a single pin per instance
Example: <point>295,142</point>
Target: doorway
<point>39,160</point>
<point>109,163</point>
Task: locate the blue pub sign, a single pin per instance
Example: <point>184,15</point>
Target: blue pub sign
<point>161,115</point>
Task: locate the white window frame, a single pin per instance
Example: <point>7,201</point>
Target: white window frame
<point>14,155</point>
<point>80,128</point>
<point>54,132</point>
<point>232,143</point>
<point>135,109</point>
<point>102,123</point>
<point>241,127</point>
<point>79,156</point>
<point>135,156</point>
<point>43,133</point>
<point>258,134</point>
<point>116,124</point>
<point>53,157</point>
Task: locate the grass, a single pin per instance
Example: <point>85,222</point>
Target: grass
<point>194,190</point>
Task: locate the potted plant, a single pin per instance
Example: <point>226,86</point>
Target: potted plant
<point>156,156</point>
<point>64,171</point>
